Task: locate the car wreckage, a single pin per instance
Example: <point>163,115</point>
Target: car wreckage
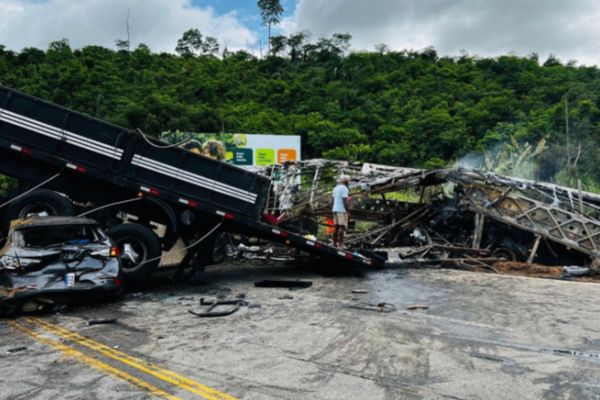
<point>52,260</point>
<point>444,216</point>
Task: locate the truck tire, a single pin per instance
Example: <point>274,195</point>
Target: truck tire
<point>36,202</point>
<point>137,244</point>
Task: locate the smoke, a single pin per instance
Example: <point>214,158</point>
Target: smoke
<point>472,160</point>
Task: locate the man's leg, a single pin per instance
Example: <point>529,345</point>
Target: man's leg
<point>336,228</point>
<point>341,237</point>
<point>335,235</point>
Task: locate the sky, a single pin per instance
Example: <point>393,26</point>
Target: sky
<point>487,28</point>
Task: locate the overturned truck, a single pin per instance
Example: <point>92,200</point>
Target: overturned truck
<point>451,215</point>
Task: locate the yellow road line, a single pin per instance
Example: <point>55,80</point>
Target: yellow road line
<point>166,375</point>
<point>107,369</point>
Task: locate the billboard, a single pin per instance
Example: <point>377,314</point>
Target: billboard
<point>240,149</point>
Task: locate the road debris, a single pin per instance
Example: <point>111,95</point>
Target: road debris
<point>380,307</point>
<point>360,291</point>
<point>16,350</point>
<point>102,321</point>
<point>576,271</point>
<point>210,311</point>
<point>417,307</point>
<point>283,284</point>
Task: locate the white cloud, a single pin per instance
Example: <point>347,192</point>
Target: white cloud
<point>569,29</point>
<point>157,23</point>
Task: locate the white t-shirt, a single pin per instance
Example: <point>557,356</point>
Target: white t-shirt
<point>339,194</point>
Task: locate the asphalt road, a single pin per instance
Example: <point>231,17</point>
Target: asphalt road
<point>484,336</point>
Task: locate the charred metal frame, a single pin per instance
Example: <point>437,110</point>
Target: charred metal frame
<point>477,199</point>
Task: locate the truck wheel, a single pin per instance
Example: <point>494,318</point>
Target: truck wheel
<point>137,244</point>
<point>37,202</point>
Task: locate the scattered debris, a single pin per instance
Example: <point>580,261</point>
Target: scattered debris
<point>210,313</point>
<point>381,307</point>
<point>417,307</point>
<point>102,321</point>
<point>360,291</point>
<point>16,350</point>
<point>284,284</point>
<point>493,358</point>
<point>576,271</point>
<point>126,308</point>
<point>241,296</point>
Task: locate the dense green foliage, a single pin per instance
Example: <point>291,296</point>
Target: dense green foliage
<point>409,108</point>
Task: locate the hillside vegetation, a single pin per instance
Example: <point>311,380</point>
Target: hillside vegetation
<point>407,108</point>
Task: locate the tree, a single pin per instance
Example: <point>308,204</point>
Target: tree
<point>552,61</point>
<point>226,52</point>
<point>271,12</point>
<point>60,46</point>
<point>382,48</point>
<point>190,42</point>
<point>278,44</point>
<point>122,44</point>
<point>125,44</point>
<point>342,41</point>
<point>210,45</point>
<point>295,43</point>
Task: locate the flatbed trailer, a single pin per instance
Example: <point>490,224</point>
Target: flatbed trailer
<point>85,165</point>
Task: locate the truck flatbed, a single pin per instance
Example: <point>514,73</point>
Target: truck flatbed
<point>92,161</point>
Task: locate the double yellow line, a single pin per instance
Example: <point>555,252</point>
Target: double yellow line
<point>150,369</point>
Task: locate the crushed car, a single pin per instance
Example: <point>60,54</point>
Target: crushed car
<point>54,260</point>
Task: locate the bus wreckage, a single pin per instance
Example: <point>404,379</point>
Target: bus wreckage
<point>457,216</point>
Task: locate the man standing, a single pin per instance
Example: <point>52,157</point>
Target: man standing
<point>341,212</point>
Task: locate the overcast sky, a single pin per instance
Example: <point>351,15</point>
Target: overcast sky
<point>568,28</point>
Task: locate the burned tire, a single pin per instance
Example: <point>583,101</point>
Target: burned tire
<point>37,202</point>
<point>504,254</point>
<point>137,245</point>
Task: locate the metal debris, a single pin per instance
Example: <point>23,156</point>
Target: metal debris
<point>102,321</point>
<point>462,217</point>
<point>417,307</point>
<point>381,307</point>
<point>284,284</point>
<point>210,311</point>
<point>16,350</point>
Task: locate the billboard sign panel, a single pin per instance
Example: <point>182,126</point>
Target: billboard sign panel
<point>240,149</point>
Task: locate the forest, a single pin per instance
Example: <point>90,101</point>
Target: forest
<point>526,116</point>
